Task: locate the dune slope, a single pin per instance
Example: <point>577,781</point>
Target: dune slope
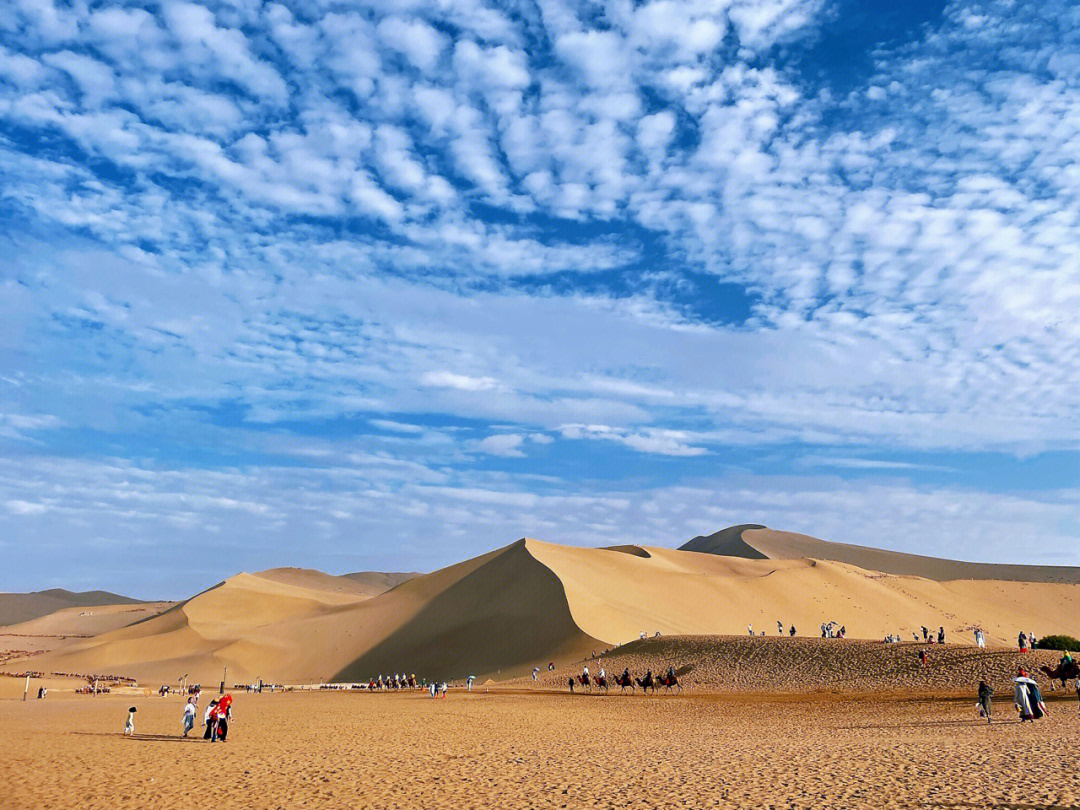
<point>22,607</point>
<point>758,542</point>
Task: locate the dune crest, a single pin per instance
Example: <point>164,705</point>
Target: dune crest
<point>756,541</point>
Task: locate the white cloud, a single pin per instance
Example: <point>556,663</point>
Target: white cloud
<point>502,444</point>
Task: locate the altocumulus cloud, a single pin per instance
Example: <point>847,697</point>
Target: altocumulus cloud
<point>686,241</point>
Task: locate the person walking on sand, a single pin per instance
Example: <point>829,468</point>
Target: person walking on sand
<point>469,680</point>
<point>792,631</point>
<point>129,726</point>
<point>925,633</point>
<point>210,721</point>
<point>1022,641</point>
<point>986,695</point>
<point>780,628</point>
<point>750,629</point>
<point>536,673</point>
<point>224,717</point>
<point>189,715</point>
<point>922,657</point>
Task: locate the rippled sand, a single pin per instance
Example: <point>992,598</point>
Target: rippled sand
<point>510,750</point>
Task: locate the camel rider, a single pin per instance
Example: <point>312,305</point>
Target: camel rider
<point>625,677</point>
<point>601,674</point>
<point>585,672</point>
<point>671,673</point>
<point>1066,658</point>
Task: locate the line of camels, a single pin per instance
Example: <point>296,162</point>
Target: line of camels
<point>669,683</point>
<point>1065,672</point>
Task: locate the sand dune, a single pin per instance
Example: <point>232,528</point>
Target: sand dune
<point>22,607</point>
<point>381,581</point>
<point>754,541</point>
<point>739,664</point>
<point>531,602</point>
<point>502,611</point>
<point>74,622</point>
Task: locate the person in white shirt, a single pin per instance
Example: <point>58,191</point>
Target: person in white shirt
<point>189,716</point>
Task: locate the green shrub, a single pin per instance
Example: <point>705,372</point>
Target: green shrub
<point>1059,643</point>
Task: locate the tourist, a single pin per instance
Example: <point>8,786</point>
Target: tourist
<point>1032,641</point>
<point>224,717</point>
<point>601,674</point>
<point>792,631</point>
<point>442,689</point>
<point>823,629</point>
<point>922,657</point>
<point>210,721</point>
<point>471,678</point>
<point>779,628</point>
<point>985,696</point>
<point>925,634</point>
<point>1022,641</point>
<point>129,727</point>
<point>189,716</point>
<point>1027,698</point>
<point>750,629</point>
<point>536,672</point>
<point>941,635</point>
<point>433,689</point>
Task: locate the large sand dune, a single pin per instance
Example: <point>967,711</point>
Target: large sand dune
<point>754,541</point>
<point>531,602</point>
<point>22,607</point>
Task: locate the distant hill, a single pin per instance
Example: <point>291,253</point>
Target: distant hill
<point>22,607</point>
<point>755,542</point>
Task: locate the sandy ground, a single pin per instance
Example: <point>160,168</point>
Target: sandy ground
<point>511,750</point>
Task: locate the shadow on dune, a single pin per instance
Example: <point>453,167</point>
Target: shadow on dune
<point>509,614</point>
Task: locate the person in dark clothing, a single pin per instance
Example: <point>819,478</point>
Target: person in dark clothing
<point>986,694</point>
<point>792,631</point>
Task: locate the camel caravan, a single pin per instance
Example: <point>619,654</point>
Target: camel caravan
<point>669,682</point>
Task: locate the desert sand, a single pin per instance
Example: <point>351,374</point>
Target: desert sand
<point>515,750</point>
<point>501,614</point>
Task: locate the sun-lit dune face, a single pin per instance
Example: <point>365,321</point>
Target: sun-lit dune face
<point>505,612</point>
<point>756,541</point>
<point>87,621</point>
<point>615,597</point>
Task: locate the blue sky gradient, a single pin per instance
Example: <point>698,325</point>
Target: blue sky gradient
<point>383,286</point>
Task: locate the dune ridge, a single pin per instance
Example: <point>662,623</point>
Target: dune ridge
<point>756,541</point>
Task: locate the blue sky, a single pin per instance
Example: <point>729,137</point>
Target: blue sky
<point>358,286</point>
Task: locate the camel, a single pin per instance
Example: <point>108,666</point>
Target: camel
<point>625,682</point>
<point>669,682</point>
<point>585,682</point>
<point>601,683</point>
<point>646,683</point>
<point>1064,673</point>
